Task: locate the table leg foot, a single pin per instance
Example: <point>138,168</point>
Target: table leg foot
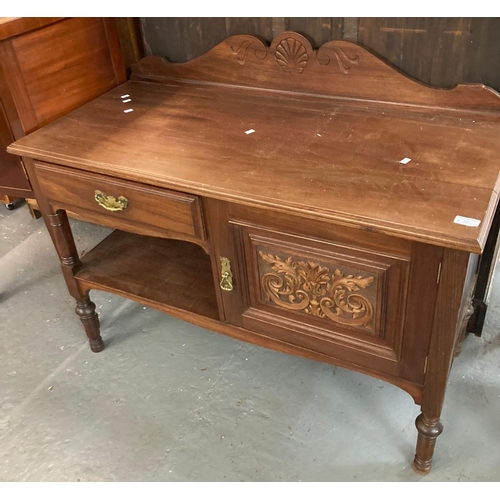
<point>428,431</point>
<point>85,309</point>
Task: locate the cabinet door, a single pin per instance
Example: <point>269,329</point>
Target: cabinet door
<point>360,298</point>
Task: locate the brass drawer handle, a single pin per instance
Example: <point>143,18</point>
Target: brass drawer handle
<point>110,202</point>
<point>226,283</point>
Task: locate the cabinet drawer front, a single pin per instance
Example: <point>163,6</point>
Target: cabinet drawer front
<point>127,205</point>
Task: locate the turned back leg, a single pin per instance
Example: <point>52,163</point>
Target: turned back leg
<point>85,308</point>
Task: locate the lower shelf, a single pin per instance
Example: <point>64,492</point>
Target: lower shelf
<point>166,274</point>
<point>176,277</point>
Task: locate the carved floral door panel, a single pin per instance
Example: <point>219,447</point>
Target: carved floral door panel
<point>330,290</point>
<point>343,300</point>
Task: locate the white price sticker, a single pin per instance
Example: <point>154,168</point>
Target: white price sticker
<point>466,221</point>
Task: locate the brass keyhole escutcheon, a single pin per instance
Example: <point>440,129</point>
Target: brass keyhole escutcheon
<point>226,283</point>
<point>110,203</point>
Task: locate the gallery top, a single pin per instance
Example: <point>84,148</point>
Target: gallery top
<point>334,134</point>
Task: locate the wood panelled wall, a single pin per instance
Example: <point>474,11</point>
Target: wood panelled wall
<point>438,51</point>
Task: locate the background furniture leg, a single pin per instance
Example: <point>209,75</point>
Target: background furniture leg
<point>14,203</point>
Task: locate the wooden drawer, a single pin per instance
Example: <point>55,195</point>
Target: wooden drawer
<point>142,209</point>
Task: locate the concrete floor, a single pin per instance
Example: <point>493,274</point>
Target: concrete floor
<point>168,401</point>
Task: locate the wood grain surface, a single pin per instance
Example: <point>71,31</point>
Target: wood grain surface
<point>171,273</point>
<point>319,157</point>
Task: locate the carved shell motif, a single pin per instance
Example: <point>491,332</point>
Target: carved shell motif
<point>291,56</point>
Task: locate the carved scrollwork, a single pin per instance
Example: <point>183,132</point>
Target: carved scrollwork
<point>291,56</point>
<point>343,59</point>
<point>242,50</point>
<point>311,288</point>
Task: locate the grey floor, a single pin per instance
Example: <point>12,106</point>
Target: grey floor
<point>168,401</point>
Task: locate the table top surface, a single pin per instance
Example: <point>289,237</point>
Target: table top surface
<point>322,157</point>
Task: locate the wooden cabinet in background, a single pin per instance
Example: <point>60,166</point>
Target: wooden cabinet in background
<point>48,67</point>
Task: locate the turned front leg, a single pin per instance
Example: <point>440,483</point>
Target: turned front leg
<point>62,236</point>
<point>441,352</point>
<point>60,232</point>
<point>85,308</point>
